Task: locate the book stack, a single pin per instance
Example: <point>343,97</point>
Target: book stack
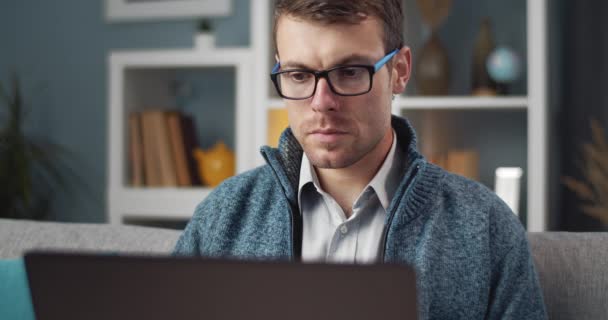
<point>161,145</point>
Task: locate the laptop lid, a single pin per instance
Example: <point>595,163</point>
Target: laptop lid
<point>88,286</point>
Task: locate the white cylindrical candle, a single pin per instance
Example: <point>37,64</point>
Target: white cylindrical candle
<point>507,186</point>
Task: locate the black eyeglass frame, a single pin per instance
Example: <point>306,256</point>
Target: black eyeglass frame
<point>324,74</point>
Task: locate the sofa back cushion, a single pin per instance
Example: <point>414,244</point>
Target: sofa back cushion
<point>573,271</point>
<point>19,236</point>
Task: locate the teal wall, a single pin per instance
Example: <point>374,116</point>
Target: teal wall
<point>7,36</point>
<point>59,49</point>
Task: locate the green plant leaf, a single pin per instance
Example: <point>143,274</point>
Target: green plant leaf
<point>597,134</point>
<point>580,188</point>
<point>600,213</point>
<point>31,168</point>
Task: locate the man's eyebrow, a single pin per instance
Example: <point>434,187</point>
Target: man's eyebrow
<point>350,59</point>
<point>293,65</point>
<point>355,59</point>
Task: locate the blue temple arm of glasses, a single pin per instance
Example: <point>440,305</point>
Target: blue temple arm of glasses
<point>380,63</point>
<point>276,68</point>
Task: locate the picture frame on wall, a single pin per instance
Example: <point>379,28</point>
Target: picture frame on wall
<point>141,10</point>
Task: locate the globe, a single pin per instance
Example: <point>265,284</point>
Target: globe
<point>503,65</point>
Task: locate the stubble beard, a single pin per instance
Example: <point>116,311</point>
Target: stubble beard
<point>347,157</point>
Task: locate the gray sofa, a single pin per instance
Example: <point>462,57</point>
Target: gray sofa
<point>573,267</point>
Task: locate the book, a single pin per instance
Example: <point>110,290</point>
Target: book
<point>151,162</point>
<point>136,159</point>
<point>168,175</point>
<point>178,149</point>
<point>190,143</point>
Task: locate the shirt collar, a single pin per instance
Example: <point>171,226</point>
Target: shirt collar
<point>384,183</point>
<point>307,175</point>
<point>386,180</point>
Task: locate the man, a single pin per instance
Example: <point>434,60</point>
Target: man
<point>347,184</point>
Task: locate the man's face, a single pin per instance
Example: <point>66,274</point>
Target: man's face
<point>337,131</point>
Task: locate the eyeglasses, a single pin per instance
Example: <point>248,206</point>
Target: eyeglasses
<point>348,80</point>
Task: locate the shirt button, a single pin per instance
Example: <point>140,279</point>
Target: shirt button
<point>343,229</point>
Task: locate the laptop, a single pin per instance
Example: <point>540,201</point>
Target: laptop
<point>72,286</point>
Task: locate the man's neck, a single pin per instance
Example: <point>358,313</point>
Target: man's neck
<point>346,184</point>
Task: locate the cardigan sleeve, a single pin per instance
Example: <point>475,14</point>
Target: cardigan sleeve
<point>188,242</point>
<point>515,288</point>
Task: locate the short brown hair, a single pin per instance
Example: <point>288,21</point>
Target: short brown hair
<point>346,11</point>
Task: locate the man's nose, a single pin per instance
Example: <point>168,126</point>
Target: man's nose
<point>324,99</point>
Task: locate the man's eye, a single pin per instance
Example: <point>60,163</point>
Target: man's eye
<point>351,72</point>
<point>299,76</point>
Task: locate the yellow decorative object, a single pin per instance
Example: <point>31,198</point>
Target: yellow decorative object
<point>215,164</point>
<point>277,122</point>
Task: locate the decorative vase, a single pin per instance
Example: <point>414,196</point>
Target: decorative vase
<point>432,74</point>
<point>433,68</point>
<point>482,84</point>
<point>215,164</point>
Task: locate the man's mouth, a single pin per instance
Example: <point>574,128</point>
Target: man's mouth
<point>327,135</point>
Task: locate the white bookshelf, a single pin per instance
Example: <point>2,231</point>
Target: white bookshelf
<point>533,104</point>
<point>141,79</point>
<point>254,99</point>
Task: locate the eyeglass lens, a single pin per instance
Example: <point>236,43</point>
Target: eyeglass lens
<point>348,80</point>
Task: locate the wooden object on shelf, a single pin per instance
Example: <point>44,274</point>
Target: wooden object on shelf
<point>482,83</point>
<point>136,158</point>
<point>178,149</point>
<point>151,162</point>
<point>464,163</point>
<point>164,154</point>
<point>432,72</point>
<point>433,68</point>
<point>434,12</point>
<point>277,122</point>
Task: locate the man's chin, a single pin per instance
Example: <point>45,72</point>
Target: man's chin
<point>329,161</point>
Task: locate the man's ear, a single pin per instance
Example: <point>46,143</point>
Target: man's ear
<point>402,70</point>
<point>276,57</point>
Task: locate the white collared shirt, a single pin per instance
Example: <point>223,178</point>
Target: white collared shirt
<point>328,236</point>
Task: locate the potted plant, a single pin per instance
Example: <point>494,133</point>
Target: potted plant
<point>204,37</point>
<point>28,167</point>
<point>592,190</point>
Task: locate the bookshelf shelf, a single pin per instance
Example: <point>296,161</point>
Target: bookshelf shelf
<point>447,102</point>
<point>461,102</point>
<point>146,80</point>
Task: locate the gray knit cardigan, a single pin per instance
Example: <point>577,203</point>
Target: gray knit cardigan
<point>469,250</point>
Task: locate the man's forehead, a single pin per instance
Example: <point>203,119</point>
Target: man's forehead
<point>303,43</point>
